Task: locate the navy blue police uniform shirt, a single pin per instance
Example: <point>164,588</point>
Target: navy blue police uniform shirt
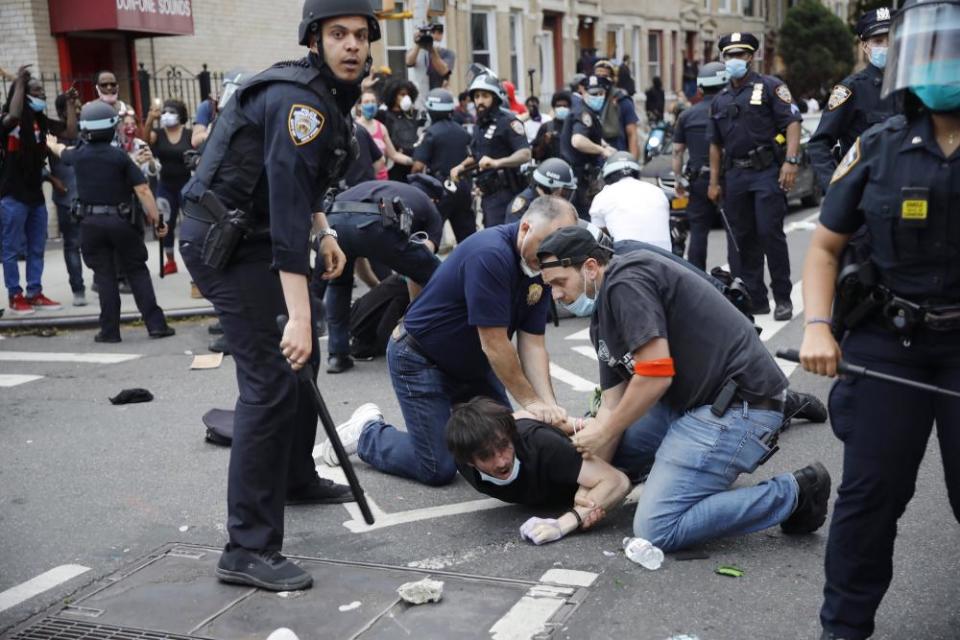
<point>105,174</point>
<point>883,182</point>
<point>854,106</point>
<point>749,117</point>
<point>443,146</point>
<point>587,123</point>
<point>691,130</point>
<point>361,169</point>
<point>503,136</point>
<point>426,217</point>
<point>480,284</point>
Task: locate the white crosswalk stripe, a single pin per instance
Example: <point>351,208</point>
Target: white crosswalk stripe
<point>16,379</point>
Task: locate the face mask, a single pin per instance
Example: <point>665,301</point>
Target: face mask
<point>37,104</point>
<point>561,113</point>
<point>504,482</point>
<point>736,68</point>
<point>109,98</point>
<point>405,103</point>
<point>583,306</point>
<point>939,97</point>
<point>471,108</point>
<point>594,102</point>
<point>528,271</point>
<point>368,110</point>
<point>168,120</point>
<point>878,57</point>
<point>534,113</point>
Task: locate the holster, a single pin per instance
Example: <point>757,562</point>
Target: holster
<point>761,158</point>
<point>397,214</point>
<point>227,229</point>
<point>489,183</point>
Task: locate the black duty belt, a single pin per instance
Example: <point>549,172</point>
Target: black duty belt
<point>741,163</point>
<point>731,393</point>
<point>356,207</point>
<point>767,404</point>
<point>102,209</point>
<point>193,210</point>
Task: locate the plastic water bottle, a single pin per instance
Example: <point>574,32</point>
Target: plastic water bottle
<point>643,553</point>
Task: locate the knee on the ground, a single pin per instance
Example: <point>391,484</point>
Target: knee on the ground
<point>660,532</point>
<point>442,474</point>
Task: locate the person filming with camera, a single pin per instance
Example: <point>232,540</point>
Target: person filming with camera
<point>428,56</point>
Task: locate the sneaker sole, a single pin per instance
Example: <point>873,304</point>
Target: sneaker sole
<point>236,577</point>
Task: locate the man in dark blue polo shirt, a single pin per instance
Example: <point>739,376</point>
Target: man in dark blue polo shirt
<point>455,343</point>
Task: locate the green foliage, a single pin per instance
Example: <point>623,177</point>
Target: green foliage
<point>817,48</point>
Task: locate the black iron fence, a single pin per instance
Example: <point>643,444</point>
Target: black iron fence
<point>167,82</point>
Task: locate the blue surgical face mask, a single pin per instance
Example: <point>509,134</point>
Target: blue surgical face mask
<point>736,68</point>
<point>584,305</point>
<point>939,97</point>
<point>934,83</point>
<point>878,57</point>
<point>37,104</point>
<point>561,113</point>
<point>594,102</point>
<point>368,110</point>
<point>514,472</point>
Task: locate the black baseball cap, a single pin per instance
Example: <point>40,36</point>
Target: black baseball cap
<point>571,246</point>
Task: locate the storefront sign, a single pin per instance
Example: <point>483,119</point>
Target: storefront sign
<point>158,17</point>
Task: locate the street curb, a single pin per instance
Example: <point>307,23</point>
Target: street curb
<point>93,320</point>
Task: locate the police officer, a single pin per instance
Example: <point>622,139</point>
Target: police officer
<point>498,149</point>
<point>745,119</point>
<point>690,135</point>
<point>283,139</point>
<point>443,146</point>
<point>855,104</point>
<point>395,223</point>
<point>582,144</point>
<point>106,177</point>
<point>900,180</point>
<point>552,177</point>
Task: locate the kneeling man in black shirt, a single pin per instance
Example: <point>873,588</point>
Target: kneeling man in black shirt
<point>674,352</point>
<point>517,459</point>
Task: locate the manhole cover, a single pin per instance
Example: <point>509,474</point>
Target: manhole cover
<point>58,629</point>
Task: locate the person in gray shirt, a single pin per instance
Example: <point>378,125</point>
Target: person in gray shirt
<point>677,358</point>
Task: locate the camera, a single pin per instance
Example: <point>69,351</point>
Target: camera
<point>424,37</point>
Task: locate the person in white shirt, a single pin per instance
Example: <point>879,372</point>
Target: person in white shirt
<point>628,208</point>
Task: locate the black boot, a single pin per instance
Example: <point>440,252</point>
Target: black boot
<point>219,345</point>
<point>804,406</point>
<point>811,511</point>
<point>783,311</point>
<point>265,569</point>
<point>339,362</point>
<point>320,491</point>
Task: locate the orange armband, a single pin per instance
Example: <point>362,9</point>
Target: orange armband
<point>661,368</point>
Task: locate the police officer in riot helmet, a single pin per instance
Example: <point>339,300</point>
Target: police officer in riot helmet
<point>582,144</point>
<point>898,309</point>
<point>444,145</point>
<point>498,148</point>
<point>284,138</point>
<point>106,180</point>
<point>855,104</point>
<point>552,177</point>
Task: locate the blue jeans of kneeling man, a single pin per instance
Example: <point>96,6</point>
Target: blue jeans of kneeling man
<point>426,395</point>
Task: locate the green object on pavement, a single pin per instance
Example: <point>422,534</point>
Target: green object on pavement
<point>729,571</point>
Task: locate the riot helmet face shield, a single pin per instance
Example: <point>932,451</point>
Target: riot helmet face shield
<point>924,49</point>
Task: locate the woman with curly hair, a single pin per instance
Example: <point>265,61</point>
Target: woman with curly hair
<point>401,120</point>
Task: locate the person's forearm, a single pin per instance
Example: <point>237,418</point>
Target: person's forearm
<point>438,64</point>
<point>16,103</point>
<point>411,58</point>
<point>793,139</point>
<point>640,395</point>
<point>296,295</point>
<point>401,158</point>
<point>148,201</point>
<point>584,144</point>
<point>515,159</point>
<point>678,150</point>
<point>714,164</point>
<point>536,365</point>
<point>633,141</point>
<point>365,272</point>
<point>71,130</point>
<point>505,363</point>
<point>819,282</point>
<point>199,136</point>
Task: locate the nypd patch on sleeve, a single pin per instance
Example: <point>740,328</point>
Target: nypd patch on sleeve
<point>304,123</point>
<point>784,94</point>
<point>517,127</point>
<point>849,162</point>
<point>838,96</point>
<point>586,119</point>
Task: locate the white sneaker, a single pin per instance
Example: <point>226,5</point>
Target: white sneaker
<point>79,299</point>
<point>349,433</point>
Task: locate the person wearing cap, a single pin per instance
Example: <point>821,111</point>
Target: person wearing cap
<point>627,207</point>
<point>498,148</point>
<point>456,342</point>
<point>619,116</point>
<point>444,145</point>
<point>690,137</point>
<point>676,355</point>
<point>369,221</point>
<point>582,144</point>
<point>552,177</point>
<point>899,180</point>
<point>855,104</point>
<point>745,120</point>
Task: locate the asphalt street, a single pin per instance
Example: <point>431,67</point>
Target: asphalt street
<point>83,482</point>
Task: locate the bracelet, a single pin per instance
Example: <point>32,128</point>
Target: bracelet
<point>577,516</point>
<point>816,320</point>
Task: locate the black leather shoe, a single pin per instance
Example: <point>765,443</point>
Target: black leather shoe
<point>804,406</point>
<point>219,346</point>
<point>320,491</point>
<point>761,308</point>
<point>216,329</point>
<point>166,332</point>
<point>811,511</point>
<point>783,311</point>
<point>830,635</point>
<point>265,569</point>
<point>338,363</point>
<point>102,338</point>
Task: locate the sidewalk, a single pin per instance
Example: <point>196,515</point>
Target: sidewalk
<point>173,294</point>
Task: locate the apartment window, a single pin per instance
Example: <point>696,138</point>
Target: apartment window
<point>653,54</point>
<point>724,6</point>
<point>747,6</point>
<point>398,35</point>
<point>481,32</point>
<point>517,70</point>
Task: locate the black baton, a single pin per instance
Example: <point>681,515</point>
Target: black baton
<point>726,224</point>
<point>856,370</point>
<point>306,375</point>
<point>160,246</point>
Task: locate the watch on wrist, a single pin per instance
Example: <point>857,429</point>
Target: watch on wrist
<point>327,232</point>
<point>793,160</point>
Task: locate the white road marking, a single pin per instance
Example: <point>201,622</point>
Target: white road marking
<point>93,358</point>
<point>35,586</point>
<point>570,378</point>
<point>586,351</point>
<point>569,577</point>
<point>579,335</point>
<point>528,617</point>
<point>12,380</point>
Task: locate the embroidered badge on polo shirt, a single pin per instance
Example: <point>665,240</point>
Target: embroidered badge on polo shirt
<point>304,123</point>
<point>534,293</point>
<point>518,204</point>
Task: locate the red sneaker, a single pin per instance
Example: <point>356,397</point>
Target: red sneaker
<point>19,305</point>
<point>170,267</point>
<point>41,301</point>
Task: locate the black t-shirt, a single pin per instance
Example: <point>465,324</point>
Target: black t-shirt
<point>645,296</point>
<point>105,174</point>
<point>549,468</point>
<point>173,170</point>
<point>361,169</point>
<point>25,146</point>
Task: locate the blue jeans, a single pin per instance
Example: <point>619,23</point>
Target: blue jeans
<point>70,231</point>
<point>687,498</point>
<point>24,233</point>
<point>426,396</point>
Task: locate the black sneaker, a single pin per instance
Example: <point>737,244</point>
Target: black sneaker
<point>338,363</point>
<point>811,511</point>
<point>805,406</point>
<point>101,337</point>
<point>264,569</point>
<point>761,308</point>
<point>166,332</point>
<point>783,311</point>
<point>830,635</point>
<point>320,491</point>
<point>219,345</point>
<point>215,329</point>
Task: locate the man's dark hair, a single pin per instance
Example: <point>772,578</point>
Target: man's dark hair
<point>96,78</point>
<point>463,96</point>
<point>478,428</point>
<point>179,106</point>
<point>561,96</point>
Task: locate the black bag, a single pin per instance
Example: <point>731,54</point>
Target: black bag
<point>374,316</point>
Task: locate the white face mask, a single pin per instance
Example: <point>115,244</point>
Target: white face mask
<point>168,120</point>
<point>405,103</point>
<point>528,271</point>
<point>514,472</point>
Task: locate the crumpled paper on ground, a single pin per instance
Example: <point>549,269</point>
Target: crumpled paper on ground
<point>421,591</point>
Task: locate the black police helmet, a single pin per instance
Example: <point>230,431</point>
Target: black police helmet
<point>98,120</point>
<point>712,75</point>
<point>554,174</point>
<point>428,184</point>
<point>440,101</point>
<point>576,81</point>
<point>620,165</point>
<point>488,83</point>
<point>316,11</point>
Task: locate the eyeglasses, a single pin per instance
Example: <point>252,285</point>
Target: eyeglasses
<point>108,85</point>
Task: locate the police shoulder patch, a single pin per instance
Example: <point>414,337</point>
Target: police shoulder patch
<point>838,96</point>
<point>783,92</point>
<point>518,204</point>
<point>304,124</point>
<point>534,293</point>
<point>517,127</point>
<point>586,119</point>
<point>849,162</point>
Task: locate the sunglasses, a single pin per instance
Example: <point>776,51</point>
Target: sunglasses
<point>108,85</point>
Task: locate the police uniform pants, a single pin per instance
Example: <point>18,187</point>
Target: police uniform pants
<point>457,208</point>
<point>700,213</point>
<point>884,430</point>
<point>110,244</point>
<point>756,206</point>
<point>494,207</point>
<point>275,423</point>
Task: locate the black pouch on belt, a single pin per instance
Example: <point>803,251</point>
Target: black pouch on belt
<point>224,234</point>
